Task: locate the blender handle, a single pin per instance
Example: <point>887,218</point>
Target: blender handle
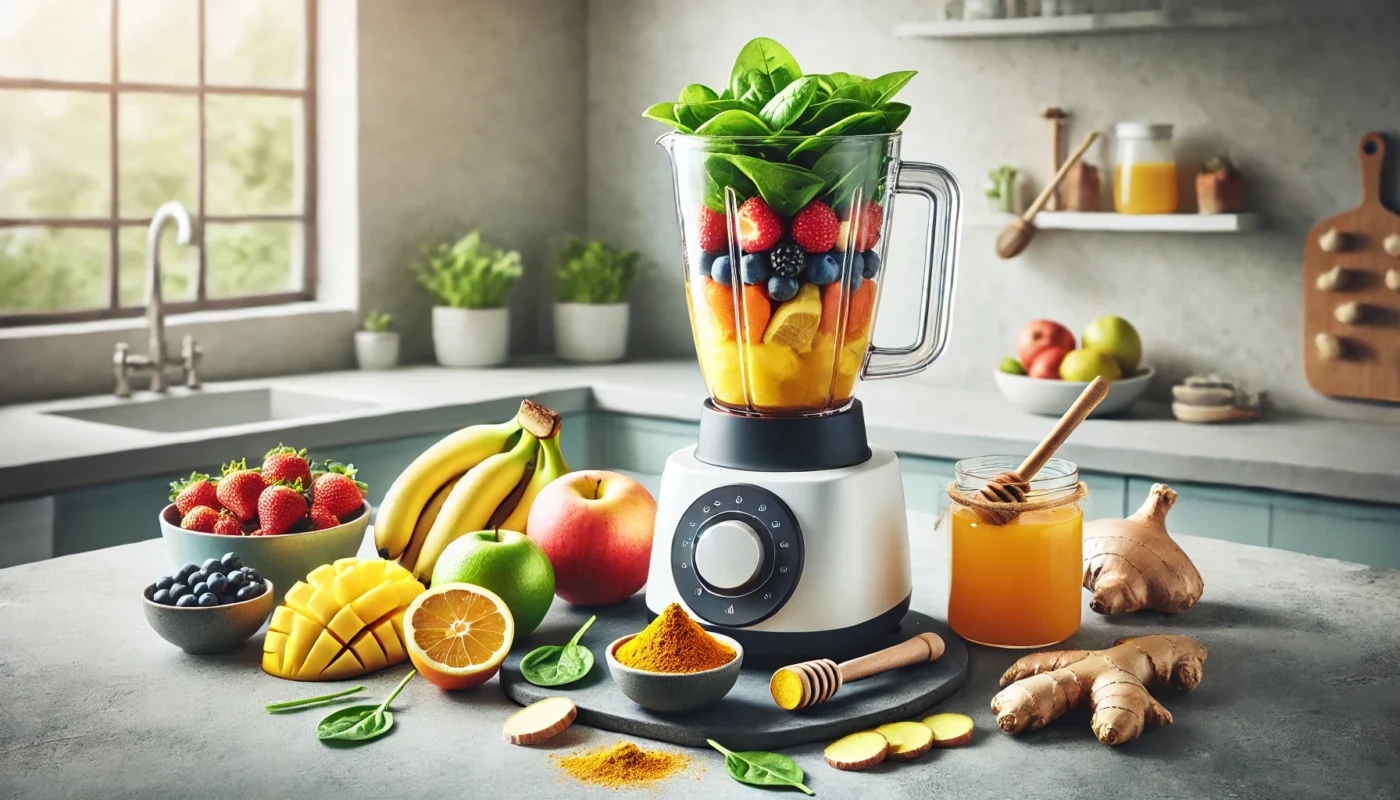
<point>940,188</point>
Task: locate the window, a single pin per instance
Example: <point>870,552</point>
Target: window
<point>109,108</point>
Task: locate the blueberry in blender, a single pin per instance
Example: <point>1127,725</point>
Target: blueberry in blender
<point>788,260</point>
<point>187,601</point>
<point>722,272</point>
<point>754,268</point>
<point>822,268</point>
<point>208,600</point>
<point>704,263</point>
<point>857,269</point>
<point>162,596</point>
<point>872,264</point>
<point>782,288</point>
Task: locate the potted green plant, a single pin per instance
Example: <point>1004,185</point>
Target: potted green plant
<point>377,345</point>
<point>470,278</point>
<point>590,316</point>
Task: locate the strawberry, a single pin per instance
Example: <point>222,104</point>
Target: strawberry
<point>279,508</point>
<point>227,525</point>
<point>200,518</point>
<point>759,227</point>
<point>815,227</point>
<point>713,232</point>
<point>872,216</point>
<point>322,519</point>
<point>196,490</point>
<point>337,491</point>
<point>283,464</point>
<point>239,488</point>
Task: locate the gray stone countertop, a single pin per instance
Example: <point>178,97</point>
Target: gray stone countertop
<point>1300,698</point>
<point>41,453</point>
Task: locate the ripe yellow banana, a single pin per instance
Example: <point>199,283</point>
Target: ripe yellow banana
<point>549,464</point>
<point>452,456</point>
<point>425,524</point>
<point>473,500</point>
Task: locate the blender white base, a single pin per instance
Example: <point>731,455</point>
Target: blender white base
<point>854,533</point>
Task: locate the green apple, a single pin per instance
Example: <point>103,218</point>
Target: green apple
<point>1117,336</point>
<point>1085,365</point>
<point>507,563</point>
<point>1011,366</point>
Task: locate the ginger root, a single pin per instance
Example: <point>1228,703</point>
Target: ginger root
<point>1044,686</point>
<point>1131,564</point>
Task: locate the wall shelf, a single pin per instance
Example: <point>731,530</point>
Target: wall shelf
<point>1113,22</point>
<point>1127,223</point>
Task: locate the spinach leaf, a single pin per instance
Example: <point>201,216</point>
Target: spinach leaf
<point>889,85</point>
<point>866,122</point>
<point>553,665</point>
<point>361,723</point>
<point>770,60</point>
<point>784,187</point>
<point>697,93</point>
<point>311,701</point>
<point>666,112</point>
<point>824,115</point>
<point>762,769</point>
<point>839,79</point>
<point>735,122</point>
<point>825,85</point>
<point>897,113</point>
<point>721,174</point>
<point>787,105</point>
<point>693,115</point>
<point>846,168</point>
<point>760,90</point>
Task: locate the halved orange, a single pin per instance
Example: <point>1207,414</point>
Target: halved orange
<point>457,634</point>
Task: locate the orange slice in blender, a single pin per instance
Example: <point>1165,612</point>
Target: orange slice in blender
<point>795,322</point>
<point>757,309</point>
<point>458,634</point>
<point>862,310</point>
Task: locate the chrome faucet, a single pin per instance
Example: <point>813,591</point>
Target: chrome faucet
<point>154,362</point>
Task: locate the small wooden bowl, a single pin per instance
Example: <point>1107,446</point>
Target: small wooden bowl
<point>676,692</point>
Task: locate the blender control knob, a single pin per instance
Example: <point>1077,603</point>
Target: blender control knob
<point>728,555</point>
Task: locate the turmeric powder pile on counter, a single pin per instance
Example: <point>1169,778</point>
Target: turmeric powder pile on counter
<point>621,765</point>
<point>674,642</point>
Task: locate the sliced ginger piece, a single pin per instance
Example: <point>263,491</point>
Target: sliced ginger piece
<point>949,730</point>
<point>908,740</point>
<point>857,751</point>
<point>539,721</point>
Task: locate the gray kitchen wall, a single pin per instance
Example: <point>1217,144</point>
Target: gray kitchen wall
<point>1288,103</point>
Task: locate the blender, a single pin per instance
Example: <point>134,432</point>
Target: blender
<point>783,527</point>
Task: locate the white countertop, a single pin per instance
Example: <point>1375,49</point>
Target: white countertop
<point>41,453</point>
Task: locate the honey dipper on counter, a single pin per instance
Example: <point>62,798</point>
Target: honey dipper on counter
<point>810,682</point>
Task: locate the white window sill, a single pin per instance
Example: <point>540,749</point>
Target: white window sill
<point>310,309</point>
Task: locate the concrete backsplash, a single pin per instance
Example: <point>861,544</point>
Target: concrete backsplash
<point>1287,102</point>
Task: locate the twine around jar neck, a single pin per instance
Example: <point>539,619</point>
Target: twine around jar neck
<point>975,500</point>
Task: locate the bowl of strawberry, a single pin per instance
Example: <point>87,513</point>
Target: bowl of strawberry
<point>283,518</point>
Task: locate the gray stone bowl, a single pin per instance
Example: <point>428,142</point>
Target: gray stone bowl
<point>676,692</point>
<point>283,559</point>
<point>215,629</point>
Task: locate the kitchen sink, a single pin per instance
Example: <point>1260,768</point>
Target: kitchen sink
<point>202,410</point>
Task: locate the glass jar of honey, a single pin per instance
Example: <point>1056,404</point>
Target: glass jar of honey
<point>1018,584</point>
<point>1144,169</point>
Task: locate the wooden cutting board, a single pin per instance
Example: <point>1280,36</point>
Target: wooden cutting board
<point>1368,364</point>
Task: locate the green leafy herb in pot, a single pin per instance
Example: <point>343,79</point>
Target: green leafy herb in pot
<point>553,665</point>
<point>469,273</point>
<point>592,272</point>
<point>378,322</point>
<point>361,723</point>
<point>762,769</point>
<point>312,701</point>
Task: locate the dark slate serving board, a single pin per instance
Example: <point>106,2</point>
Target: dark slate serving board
<point>747,718</point>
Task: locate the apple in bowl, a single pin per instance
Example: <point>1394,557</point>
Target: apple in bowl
<point>596,528</point>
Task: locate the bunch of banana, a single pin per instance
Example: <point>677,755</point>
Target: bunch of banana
<point>472,480</point>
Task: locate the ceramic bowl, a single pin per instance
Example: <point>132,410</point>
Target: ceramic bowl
<point>1053,398</point>
<point>283,559</point>
<point>676,692</point>
<point>209,630</point>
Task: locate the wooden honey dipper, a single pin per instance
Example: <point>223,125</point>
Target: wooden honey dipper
<point>810,682</point>
<point>1015,236</point>
<point>1012,487</point>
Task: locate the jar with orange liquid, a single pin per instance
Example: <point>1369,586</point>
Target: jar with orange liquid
<point>1144,169</point>
<point>1020,584</point>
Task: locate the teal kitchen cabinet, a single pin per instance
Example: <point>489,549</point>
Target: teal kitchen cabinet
<point>1351,531</point>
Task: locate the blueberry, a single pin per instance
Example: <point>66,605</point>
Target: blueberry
<point>231,562</point>
<point>186,601</point>
<point>163,597</point>
<point>857,267</point>
<point>722,272</point>
<point>185,572</point>
<point>210,564</point>
<point>872,264</point>
<point>200,588</point>
<point>782,288</point>
<point>208,600</point>
<point>237,579</point>
<point>821,268</point>
<point>247,593</point>
<point>227,599</point>
<point>704,263</point>
<point>258,588</point>
<point>253,575</point>
<point>178,590</point>
<point>165,583</point>
<point>198,576</point>
<point>218,584</point>
<point>755,268</point>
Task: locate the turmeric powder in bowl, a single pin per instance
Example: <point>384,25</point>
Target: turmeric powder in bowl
<point>674,642</point>
<point>674,665</point>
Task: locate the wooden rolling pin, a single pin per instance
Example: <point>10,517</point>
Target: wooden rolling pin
<point>811,682</point>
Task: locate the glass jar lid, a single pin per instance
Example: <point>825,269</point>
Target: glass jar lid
<point>1143,130</point>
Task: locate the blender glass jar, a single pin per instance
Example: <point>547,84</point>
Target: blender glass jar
<point>1144,170</point>
<point>1019,584</point>
<point>781,329</point>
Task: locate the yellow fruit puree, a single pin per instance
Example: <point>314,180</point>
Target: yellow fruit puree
<point>1145,189</point>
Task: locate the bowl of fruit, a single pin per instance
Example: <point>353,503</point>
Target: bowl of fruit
<point>1049,371</point>
<point>210,607</point>
<point>284,519</point>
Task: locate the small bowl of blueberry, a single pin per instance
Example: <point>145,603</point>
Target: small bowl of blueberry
<point>211,607</point>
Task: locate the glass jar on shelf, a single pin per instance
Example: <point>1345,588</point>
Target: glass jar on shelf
<point>1144,170</point>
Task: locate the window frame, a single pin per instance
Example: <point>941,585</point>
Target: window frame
<point>113,222</point>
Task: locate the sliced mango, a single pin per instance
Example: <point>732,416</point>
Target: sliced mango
<point>323,575</point>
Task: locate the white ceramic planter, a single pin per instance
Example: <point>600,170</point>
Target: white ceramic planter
<point>471,337</point>
<point>589,333</point>
<point>377,349</point>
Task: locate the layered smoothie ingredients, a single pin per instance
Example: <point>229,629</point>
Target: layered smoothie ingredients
<point>783,183</point>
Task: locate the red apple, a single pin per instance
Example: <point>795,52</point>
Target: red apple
<point>1046,363</point>
<point>1038,334</point>
<point>596,528</point>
